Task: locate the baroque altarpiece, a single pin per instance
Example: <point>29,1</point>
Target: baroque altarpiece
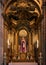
<point>22,30</point>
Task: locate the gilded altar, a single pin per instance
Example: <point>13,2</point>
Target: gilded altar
<point>22,30</point>
<point>21,50</point>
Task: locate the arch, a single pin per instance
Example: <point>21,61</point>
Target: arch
<point>11,2</point>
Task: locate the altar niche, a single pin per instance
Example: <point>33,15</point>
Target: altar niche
<point>23,41</point>
<point>23,44</point>
<point>19,46</point>
<point>24,52</point>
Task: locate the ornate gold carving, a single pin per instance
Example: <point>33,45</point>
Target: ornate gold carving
<point>23,56</point>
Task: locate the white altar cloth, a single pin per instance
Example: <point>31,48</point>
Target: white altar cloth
<point>23,63</point>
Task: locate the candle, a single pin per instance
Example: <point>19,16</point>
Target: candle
<point>37,43</point>
<point>8,43</point>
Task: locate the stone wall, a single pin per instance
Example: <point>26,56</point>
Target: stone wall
<point>1,36</point>
<point>43,34</point>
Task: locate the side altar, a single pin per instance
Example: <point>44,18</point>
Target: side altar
<point>22,32</point>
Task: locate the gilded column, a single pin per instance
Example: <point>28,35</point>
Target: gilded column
<point>29,41</point>
<point>16,43</point>
<point>5,38</point>
<point>12,39</point>
<point>32,47</point>
<point>39,34</point>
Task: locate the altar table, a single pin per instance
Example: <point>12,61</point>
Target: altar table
<point>23,63</point>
